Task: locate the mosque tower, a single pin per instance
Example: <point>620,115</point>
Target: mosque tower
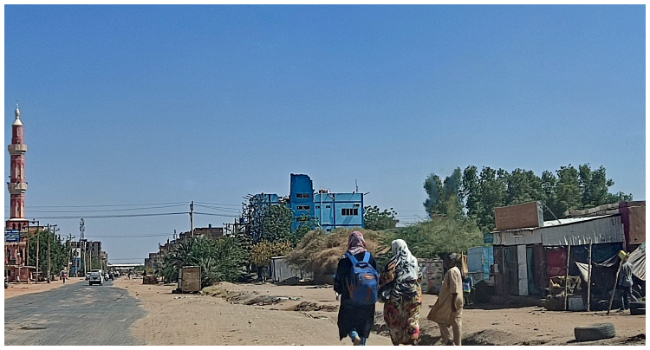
<point>17,185</point>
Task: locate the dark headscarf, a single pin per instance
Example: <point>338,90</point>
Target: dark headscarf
<point>356,243</point>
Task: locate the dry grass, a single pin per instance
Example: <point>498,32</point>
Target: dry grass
<point>319,252</point>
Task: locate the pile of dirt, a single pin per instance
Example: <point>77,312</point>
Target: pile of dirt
<point>309,306</point>
<point>491,337</point>
<point>319,252</point>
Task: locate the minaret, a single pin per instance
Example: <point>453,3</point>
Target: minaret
<point>17,184</point>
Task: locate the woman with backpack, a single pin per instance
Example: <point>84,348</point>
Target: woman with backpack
<point>357,311</point>
<point>399,290</point>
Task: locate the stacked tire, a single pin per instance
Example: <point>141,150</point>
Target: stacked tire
<point>637,308</point>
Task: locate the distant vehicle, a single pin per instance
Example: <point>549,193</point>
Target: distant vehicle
<point>87,276</point>
<point>106,277</point>
<point>96,277</point>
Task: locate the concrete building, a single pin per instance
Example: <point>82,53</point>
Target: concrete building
<point>329,210</point>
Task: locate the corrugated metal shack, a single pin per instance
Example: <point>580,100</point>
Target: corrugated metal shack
<point>281,272</point>
<point>527,258</point>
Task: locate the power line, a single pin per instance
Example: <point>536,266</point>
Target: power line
<point>225,216</point>
<point>227,205</point>
<point>218,208</point>
<point>102,205</point>
<point>102,210</point>
<point>112,216</point>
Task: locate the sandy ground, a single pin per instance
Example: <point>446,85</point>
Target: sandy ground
<point>16,289</point>
<point>224,319</point>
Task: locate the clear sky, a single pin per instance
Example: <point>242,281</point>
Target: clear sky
<point>156,106</point>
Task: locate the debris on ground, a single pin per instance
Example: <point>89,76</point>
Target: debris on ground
<point>309,306</point>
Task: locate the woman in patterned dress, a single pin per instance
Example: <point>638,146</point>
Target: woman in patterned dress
<point>399,290</point>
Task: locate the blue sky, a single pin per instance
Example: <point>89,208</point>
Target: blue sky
<point>162,105</point>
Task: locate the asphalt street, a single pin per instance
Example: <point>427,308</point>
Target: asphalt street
<point>77,314</point>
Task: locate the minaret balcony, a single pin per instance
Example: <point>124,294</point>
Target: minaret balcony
<point>17,188</point>
<point>17,149</point>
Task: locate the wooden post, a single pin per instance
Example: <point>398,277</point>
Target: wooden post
<point>611,300</point>
<point>566,279</point>
<point>589,280</point>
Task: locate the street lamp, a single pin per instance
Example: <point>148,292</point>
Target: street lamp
<point>38,239</point>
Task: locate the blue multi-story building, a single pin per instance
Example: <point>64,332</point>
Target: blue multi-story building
<point>324,209</point>
<point>334,210</point>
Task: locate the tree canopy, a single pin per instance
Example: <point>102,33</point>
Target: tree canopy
<point>475,194</point>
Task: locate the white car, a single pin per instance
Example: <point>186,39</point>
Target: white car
<point>96,277</point>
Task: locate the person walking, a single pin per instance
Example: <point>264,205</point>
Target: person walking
<point>63,276</point>
<point>448,309</point>
<point>625,284</point>
<point>355,318</point>
<point>400,291</point>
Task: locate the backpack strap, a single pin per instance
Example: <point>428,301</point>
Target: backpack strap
<point>352,258</point>
<point>366,257</point>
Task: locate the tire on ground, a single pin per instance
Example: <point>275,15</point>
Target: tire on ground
<point>595,332</point>
<point>637,311</point>
<point>637,304</point>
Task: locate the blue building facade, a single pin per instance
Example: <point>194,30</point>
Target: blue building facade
<point>328,210</point>
<point>334,210</point>
<point>301,199</point>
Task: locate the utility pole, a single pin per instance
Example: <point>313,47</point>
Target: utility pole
<point>38,241</point>
<point>90,255</point>
<point>192,219</point>
<point>49,235</point>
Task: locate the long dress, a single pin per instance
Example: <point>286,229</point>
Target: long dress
<point>352,317</point>
<point>402,303</point>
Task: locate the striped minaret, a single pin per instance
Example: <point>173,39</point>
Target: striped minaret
<point>17,185</point>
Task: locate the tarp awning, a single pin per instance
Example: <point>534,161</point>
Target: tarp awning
<point>637,260</point>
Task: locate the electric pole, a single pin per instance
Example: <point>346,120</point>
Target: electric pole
<point>192,219</point>
<point>38,241</point>
<point>49,235</point>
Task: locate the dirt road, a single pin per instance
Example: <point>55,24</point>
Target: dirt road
<point>225,319</point>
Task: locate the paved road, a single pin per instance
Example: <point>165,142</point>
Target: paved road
<point>77,314</point>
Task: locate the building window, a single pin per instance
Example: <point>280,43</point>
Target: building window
<point>303,218</point>
<point>318,207</point>
<point>328,206</point>
<point>350,211</point>
<point>302,195</point>
<point>302,207</point>
<point>356,205</point>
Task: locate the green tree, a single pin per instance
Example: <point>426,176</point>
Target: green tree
<point>220,259</point>
<point>523,187</point>
<point>433,187</point>
<point>492,184</point>
<point>440,235</point>
<point>305,224</point>
<point>377,219</point>
<point>277,224</point>
<point>59,255</point>
<point>472,192</point>
<point>440,194</point>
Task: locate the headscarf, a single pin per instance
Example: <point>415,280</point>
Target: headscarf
<point>406,265</point>
<point>400,277</point>
<point>356,243</point>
